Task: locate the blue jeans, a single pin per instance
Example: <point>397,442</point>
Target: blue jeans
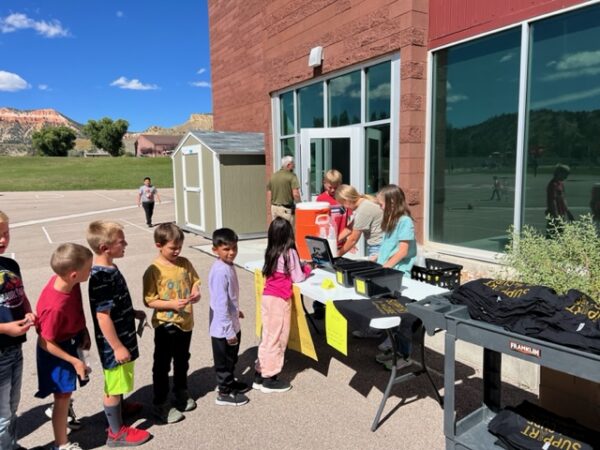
<point>373,249</point>
<point>11,373</point>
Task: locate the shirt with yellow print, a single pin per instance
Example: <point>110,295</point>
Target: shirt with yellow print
<point>170,282</point>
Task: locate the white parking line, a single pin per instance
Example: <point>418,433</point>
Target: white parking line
<point>105,196</point>
<point>47,235</point>
<point>70,216</point>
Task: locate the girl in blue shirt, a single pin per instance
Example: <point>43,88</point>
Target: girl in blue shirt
<point>398,248</point>
<point>398,251</point>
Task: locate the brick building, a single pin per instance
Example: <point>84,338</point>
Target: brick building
<point>155,144</point>
<point>468,105</point>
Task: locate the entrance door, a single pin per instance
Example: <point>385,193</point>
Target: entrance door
<point>193,205</point>
<point>322,149</point>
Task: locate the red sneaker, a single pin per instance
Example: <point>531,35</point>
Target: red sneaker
<point>129,408</point>
<point>127,437</point>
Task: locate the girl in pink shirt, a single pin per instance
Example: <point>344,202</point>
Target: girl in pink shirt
<point>282,268</point>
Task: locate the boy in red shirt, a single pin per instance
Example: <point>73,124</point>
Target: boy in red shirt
<point>62,332</point>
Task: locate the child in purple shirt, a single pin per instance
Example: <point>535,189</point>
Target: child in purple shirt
<point>225,318</point>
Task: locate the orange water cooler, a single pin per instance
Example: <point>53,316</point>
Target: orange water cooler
<point>309,216</point>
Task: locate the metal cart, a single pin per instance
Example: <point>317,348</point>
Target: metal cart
<point>471,432</point>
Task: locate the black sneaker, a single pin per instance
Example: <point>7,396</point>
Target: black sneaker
<point>274,384</point>
<point>239,386</point>
<point>258,381</point>
<point>231,399</point>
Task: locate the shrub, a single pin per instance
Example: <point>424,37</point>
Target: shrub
<point>569,260</point>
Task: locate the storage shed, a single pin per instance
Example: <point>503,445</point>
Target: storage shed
<point>219,181</point>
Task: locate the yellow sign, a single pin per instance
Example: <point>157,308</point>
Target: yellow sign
<point>300,337</point>
<point>259,283</point>
<point>336,328</point>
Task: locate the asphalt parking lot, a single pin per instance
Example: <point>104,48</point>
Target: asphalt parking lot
<point>331,405</point>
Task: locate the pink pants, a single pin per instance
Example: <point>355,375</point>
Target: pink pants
<point>276,317</point>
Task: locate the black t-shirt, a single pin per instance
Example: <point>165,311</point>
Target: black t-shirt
<point>530,427</point>
<point>12,299</point>
<point>109,293</point>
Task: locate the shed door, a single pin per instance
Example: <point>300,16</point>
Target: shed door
<point>192,190</point>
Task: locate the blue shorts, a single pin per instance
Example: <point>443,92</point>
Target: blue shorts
<point>55,375</point>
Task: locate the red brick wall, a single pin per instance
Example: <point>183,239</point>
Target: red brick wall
<point>258,47</point>
<point>453,20</point>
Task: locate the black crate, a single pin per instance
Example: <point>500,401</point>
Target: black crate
<point>382,281</point>
<point>344,272</point>
<point>438,273</point>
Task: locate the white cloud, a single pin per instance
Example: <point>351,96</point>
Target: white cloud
<point>381,91</point>
<point>44,87</point>
<point>567,74</point>
<point>120,14</point>
<point>574,65</point>
<point>17,21</point>
<point>11,82</point>
<point>566,98</point>
<point>204,84</point>
<point>133,84</point>
<point>579,60</point>
<point>456,98</point>
<point>201,71</point>
<point>507,57</point>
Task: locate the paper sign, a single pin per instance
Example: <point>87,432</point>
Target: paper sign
<point>259,283</point>
<point>336,328</point>
<point>300,337</point>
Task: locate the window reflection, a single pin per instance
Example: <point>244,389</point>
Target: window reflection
<point>378,92</point>
<point>563,117</point>
<point>344,99</point>
<point>474,141</point>
<point>287,113</point>
<point>310,106</point>
<point>377,158</point>
<point>288,147</point>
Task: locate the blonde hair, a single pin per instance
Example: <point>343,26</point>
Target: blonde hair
<point>102,232</point>
<point>3,217</point>
<point>69,257</point>
<point>333,177</point>
<point>349,194</point>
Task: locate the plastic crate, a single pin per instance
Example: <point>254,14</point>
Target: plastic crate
<point>378,282</point>
<point>438,273</point>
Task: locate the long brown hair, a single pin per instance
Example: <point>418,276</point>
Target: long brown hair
<point>394,206</point>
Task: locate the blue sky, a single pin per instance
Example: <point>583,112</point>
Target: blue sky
<point>145,61</point>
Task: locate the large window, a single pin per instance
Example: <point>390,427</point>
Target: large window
<point>476,94</point>
<point>563,117</point>
<point>475,197</point>
<point>361,97</point>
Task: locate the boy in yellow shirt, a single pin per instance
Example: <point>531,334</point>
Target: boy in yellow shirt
<point>171,286</point>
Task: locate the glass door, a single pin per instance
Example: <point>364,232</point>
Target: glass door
<point>323,149</point>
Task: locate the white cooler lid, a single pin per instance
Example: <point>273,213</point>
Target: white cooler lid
<point>312,205</point>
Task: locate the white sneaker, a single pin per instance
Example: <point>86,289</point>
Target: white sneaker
<point>67,446</point>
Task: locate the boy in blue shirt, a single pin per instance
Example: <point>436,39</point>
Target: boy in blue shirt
<point>225,318</point>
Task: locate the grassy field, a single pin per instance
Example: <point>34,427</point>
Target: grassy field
<point>36,173</point>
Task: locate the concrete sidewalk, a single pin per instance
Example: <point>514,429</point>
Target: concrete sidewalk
<point>331,405</point>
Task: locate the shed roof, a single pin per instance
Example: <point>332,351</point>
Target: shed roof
<point>224,142</point>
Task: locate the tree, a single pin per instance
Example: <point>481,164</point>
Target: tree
<point>106,134</point>
<point>54,141</point>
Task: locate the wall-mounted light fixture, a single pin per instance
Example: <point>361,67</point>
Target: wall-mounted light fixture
<point>316,57</point>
